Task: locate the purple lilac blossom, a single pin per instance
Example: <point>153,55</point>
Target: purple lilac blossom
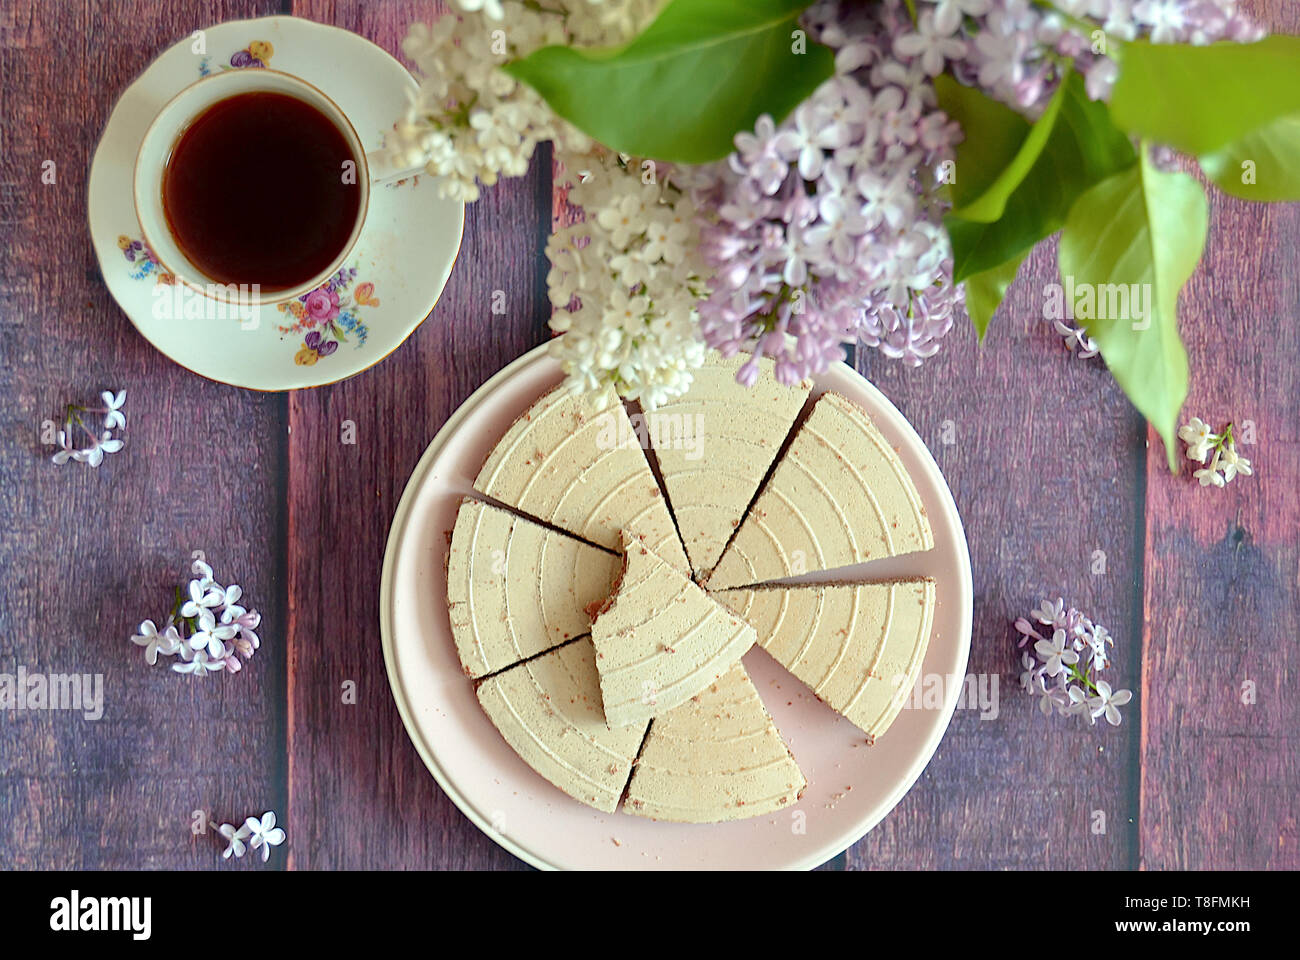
<point>827,229</point>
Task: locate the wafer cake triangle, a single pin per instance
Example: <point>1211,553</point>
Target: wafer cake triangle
<point>660,639</point>
<point>548,709</point>
<point>858,646</point>
<point>840,495</point>
<point>716,757</point>
<point>715,443</point>
<point>516,588</point>
<point>574,460</point>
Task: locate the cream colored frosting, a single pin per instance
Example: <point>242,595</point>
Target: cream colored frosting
<point>716,757</point>
<point>574,460</point>
<point>515,588</point>
<point>715,444</point>
<point>661,640</point>
<point>548,709</point>
<point>859,647</point>
<point>839,496</point>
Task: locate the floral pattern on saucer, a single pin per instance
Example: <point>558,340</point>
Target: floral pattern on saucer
<point>256,54</point>
<point>329,315</point>
<point>142,260</point>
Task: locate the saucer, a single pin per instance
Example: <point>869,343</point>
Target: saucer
<point>386,288</point>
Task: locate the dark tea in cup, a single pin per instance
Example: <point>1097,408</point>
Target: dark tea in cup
<point>262,188</point>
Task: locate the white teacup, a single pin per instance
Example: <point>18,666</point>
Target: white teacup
<point>155,150</point>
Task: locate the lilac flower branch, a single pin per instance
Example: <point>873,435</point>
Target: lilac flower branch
<point>100,442</point>
<point>1219,448</point>
<point>1062,661</point>
<point>207,629</point>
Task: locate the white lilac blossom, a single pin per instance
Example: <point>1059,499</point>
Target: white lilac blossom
<point>1077,340</point>
<point>625,279</point>
<point>1062,654</point>
<point>1219,448</point>
<point>264,834</point>
<point>235,838</point>
<point>199,664</point>
<point>167,642</point>
<point>94,454</point>
<point>260,832</point>
<point>193,633</point>
<point>99,442</point>
<point>470,122</point>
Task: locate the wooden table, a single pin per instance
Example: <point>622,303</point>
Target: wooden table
<point>1062,487</point>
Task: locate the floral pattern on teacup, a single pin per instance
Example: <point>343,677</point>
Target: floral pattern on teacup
<point>256,54</point>
<point>142,260</point>
<point>329,315</point>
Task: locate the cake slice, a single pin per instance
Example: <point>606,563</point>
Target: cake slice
<point>839,496</point>
<point>574,460</point>
<point>858,646</point>
<point>515,588</point>
<point>716,757</point>
<point>715,444</point>
<point>548,710</point>
<point>660,639</point>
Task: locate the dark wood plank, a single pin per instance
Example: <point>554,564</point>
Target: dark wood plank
<point>1221,775</point>
<point>1044,458</point>
<point>360,795</point>
<point>86,554</point>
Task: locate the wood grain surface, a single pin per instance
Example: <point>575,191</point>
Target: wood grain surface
<point>1061,487</point>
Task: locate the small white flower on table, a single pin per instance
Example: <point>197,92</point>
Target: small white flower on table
<point>113,415</point>
<point>236,838</point>
<point>1225,464</point>
<point>94,454</point>
<point>1050,614</point>
<point>1108,702</point>
<point>167,643</point>
<point>1055,653</point>
<point>265,834</point>
<point>199,665</point>
<point>1199,438</point>
<point>212,637</point>
<point>203,598</point>
<point>1234,464</point>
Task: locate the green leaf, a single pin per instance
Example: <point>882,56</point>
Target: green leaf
<point>1201,99</point>
<point>1273,155</point>
<point>680,91</point>
<point>999,151</point>
<point>986,290</point>
<point>1146,228</point>
<point>1082,148</point>
<point>995,133</point>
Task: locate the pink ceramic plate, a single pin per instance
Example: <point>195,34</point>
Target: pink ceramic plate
<point>851,786</point>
